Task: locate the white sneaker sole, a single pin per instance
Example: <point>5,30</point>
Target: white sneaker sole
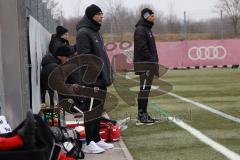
<point>106,148</point>
<point>92,152</point>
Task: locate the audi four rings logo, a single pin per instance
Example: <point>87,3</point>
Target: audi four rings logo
<point>207,53</point>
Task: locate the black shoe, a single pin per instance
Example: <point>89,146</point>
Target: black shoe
<point>144,118</point>
<point>27,132</point>
<point>152,119</point>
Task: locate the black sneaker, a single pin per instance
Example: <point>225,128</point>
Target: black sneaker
<point>155,120</point>
<point>145,119</point>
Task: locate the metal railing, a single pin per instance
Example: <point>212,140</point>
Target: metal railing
<point>40,11</point>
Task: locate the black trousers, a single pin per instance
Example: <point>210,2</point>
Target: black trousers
<point>92,127</point>
<point>145,88</point>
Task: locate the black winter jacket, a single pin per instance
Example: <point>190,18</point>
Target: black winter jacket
<point>56,42</point>
<point>89,41</point>
<point>49,63</point>
<point>144,43</point>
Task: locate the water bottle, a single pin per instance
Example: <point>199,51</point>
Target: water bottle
<point>47,99</point>
<point>61,112</point>
<point>55,98</point>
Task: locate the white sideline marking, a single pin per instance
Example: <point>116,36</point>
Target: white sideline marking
<point>203,138</point>
<point>222,114</point>
<point>196,133</point>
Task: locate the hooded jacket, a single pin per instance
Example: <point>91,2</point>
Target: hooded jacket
<point>90,41</point>
<point>144,42</point>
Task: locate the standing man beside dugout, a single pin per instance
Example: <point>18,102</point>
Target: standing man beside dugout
<point>145,53</point>
<point>90,42</point>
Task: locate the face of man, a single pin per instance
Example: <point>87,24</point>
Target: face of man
<point>65,36</point>
<point>98,17</point>
<point>151,18</point>
<point>63,59</point>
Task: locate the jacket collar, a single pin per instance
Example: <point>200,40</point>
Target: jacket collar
<point>85,22</point>
<point>144,22</point>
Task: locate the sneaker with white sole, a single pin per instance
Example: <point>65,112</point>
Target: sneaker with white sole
<point>145,118</point>
<point>93,148</point>
<point>105,145</point>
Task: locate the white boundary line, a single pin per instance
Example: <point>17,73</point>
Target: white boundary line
<point>203,138</point>
<point>222,114</point>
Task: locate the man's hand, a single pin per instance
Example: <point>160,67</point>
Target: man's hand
<point>76,88</point>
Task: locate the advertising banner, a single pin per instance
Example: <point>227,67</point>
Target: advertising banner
<point>39,39</point>
<point>182,54</point>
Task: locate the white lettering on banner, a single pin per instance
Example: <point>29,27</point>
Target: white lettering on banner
<point>207,53</point>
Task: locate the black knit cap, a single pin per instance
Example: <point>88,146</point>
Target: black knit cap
<point>64,51</point>
<point>60,30</point>
<point>92,10</point>
<point>146,12</point>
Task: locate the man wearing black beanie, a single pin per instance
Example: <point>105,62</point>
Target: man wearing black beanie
<point>145,52</point>
<point>58,39</point>
<point>89,41</point>
<point>60,30</point>
<point>92,10</point>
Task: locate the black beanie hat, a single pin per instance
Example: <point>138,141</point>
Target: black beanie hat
<point>146,12</point>
<point>60,30</point>
<point>64,51</point>
<point>92,10</point>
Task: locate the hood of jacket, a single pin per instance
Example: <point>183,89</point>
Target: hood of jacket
<point>87,23</point>
<point>144,22</point>
<point>48,58</point>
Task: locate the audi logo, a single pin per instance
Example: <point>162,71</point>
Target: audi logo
<point>207,53</point>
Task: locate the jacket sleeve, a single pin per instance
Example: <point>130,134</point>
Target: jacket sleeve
<point>141,42</point>
<point>83,45</point>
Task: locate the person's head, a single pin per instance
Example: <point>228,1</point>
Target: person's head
<point>148,14</point>
<point>62,32</point>
<point>63,53</point>
<point>95,13</point>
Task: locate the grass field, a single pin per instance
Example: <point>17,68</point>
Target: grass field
<point>216,88</point>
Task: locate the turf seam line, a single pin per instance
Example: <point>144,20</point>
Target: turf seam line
<point>197,104</point>
<point>205,107</point>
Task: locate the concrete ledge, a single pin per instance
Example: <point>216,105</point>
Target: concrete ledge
<point>125,150</point>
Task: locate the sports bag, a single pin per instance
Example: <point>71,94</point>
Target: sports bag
<point>110,132</point>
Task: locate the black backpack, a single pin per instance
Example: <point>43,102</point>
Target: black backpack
<point>46,148</point>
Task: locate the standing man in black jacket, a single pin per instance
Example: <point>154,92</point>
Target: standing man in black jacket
<point>89,41</point>
<point>145,54</point>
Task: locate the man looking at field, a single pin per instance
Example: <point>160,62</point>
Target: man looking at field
<point>90,42</point>
<point>145,54</point>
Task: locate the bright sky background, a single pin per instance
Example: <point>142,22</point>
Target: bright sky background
<point>196,9</point>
